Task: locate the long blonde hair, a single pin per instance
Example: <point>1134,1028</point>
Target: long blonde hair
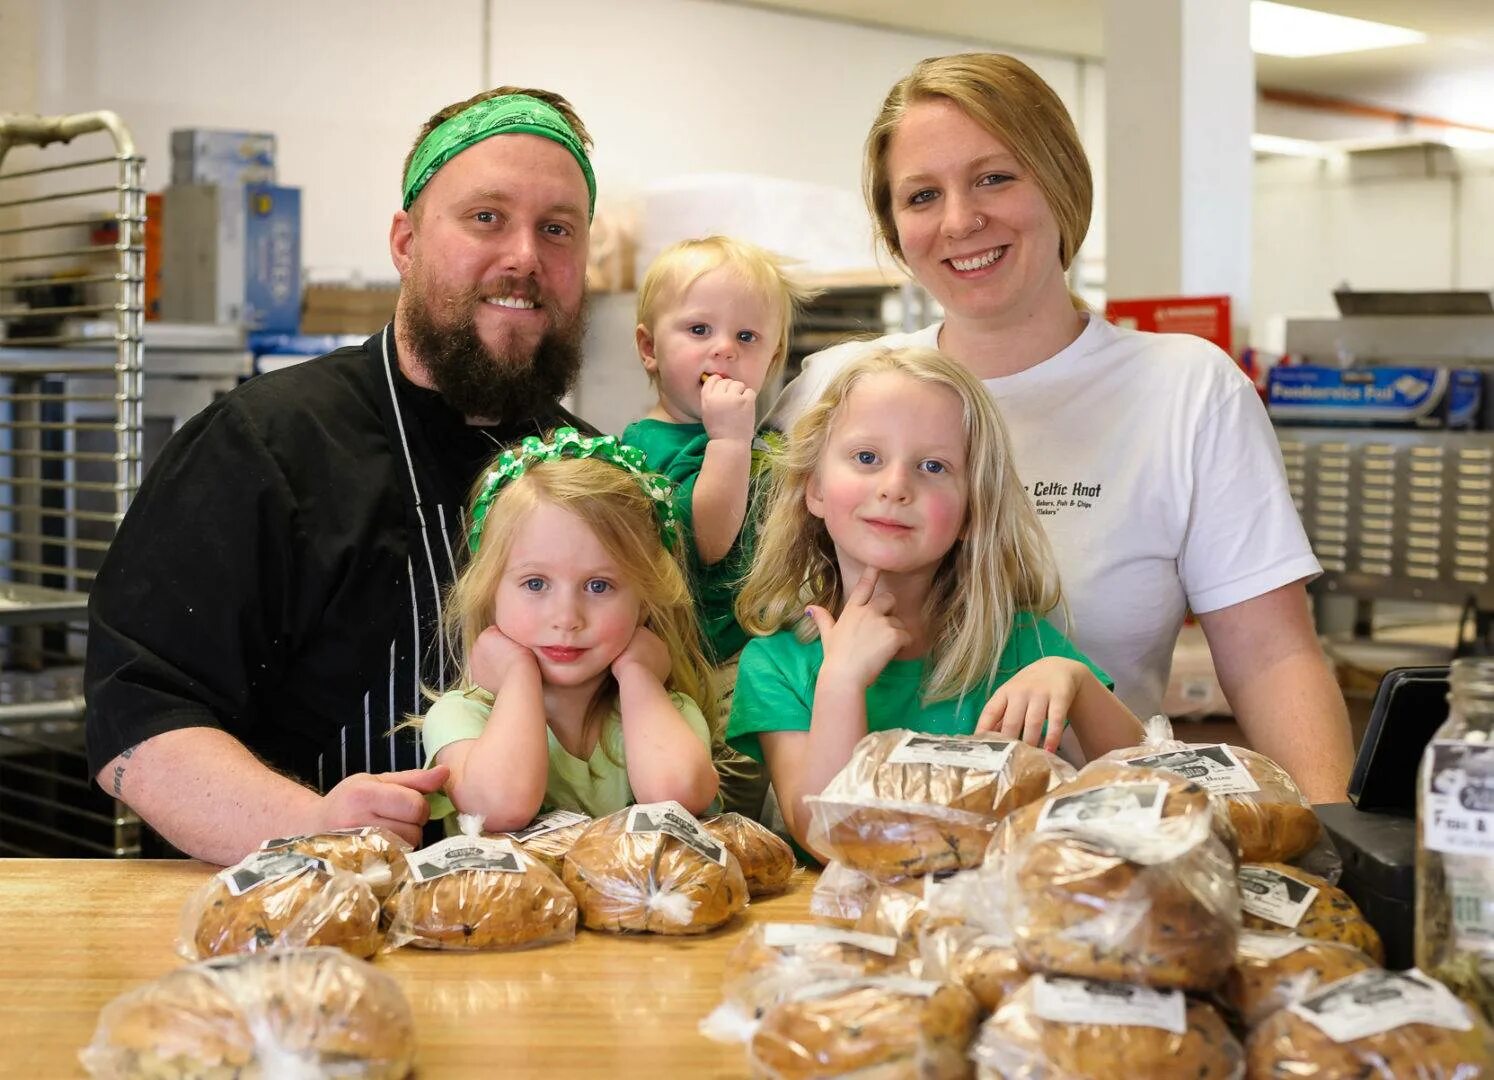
<point>1012,102</point>
<point>1002,565</point>
<point>610,502</point>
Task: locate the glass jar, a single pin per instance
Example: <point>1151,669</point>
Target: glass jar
<point>1455,841</point>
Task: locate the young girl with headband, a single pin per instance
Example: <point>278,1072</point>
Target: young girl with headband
<point>583,686</point>
<point>896,513</point>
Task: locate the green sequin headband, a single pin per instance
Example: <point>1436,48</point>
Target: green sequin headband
<point>570,443</point>
<point>507,115</point>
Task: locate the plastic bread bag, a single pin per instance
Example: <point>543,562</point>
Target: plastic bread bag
<point>904,909</point>
<point>1055,1028</point>
<point>766,859</point>
<point>376,854</point>
<point>841,894</point>
<point>1283,899</point>
<point>773,960</point>
<point>278,899</point>
<point>652,867</point>
<point>549,836</point>
<point>908,804</point>
<point>1273,819</point>
<point>292,1015</point>
<point>1376,1025</point>
<point>874,1028</point>
<point>1125,883</point>
<point>963,937</point>
<point>1274,970</point>
<point>472,892</point>
<point>1114,807</point>
<point>984,962</point>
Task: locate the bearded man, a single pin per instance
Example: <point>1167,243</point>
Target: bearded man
<point>271,605</point>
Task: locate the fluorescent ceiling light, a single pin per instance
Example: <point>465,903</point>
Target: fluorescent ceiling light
<point>1283,30</point>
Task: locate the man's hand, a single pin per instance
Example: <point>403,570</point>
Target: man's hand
<point>728,409</point>
<point>494,658</point>
<point>394,801</point>
<point>646,651</point>
<point>867,635</point>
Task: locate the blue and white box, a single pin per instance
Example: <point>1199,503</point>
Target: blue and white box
<point>272,258</point>
<point>232,255</point>
<point>230,158</point>
<point>1389,396</point>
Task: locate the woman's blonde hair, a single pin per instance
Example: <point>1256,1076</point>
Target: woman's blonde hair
<point>1000,566</point>
<point>610,502</point>
<point>1008,99</point>
<point>763,273</point>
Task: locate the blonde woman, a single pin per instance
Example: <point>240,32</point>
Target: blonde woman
<point>897,525</point>
<point>1149,458</point>
<point>583,686</point>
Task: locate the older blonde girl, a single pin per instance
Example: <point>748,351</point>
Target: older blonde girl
<point>900,582</point>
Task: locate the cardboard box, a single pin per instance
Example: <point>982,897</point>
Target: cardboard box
<point>1390,396</point>
<point>343,309</point>
<point>232,158</point>
<point>232,255</point>
<point>202,248</point>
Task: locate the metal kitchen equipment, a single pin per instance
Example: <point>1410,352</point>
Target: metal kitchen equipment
<point>72,261</point>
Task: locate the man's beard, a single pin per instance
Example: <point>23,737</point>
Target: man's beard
<point>481,383</point>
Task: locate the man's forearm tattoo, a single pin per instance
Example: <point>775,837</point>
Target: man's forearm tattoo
<point>119,770</point>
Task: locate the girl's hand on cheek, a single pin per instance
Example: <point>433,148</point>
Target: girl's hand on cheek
<point>867,635</point>
<point>646,651</point>
<point>495,657</point>
<point>1034,704</point>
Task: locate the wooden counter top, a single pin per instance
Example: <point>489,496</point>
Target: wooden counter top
<point>76,933</point>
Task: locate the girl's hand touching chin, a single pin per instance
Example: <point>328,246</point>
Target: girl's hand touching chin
<point>867,635</point>
<point>645,651</point>
<point>1040,694</point>
<point>496,656</point>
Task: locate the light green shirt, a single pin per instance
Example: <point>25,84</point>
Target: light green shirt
<point>597,786</point>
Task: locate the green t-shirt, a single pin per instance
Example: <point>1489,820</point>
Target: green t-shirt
<point>678,451</point>
<point>596,786</point>
<point>775,686</point>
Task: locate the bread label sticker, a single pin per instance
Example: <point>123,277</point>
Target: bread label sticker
<point>674,820</point>
<point>1117,807</point>
<point>1374,1002</point>
<point>464,853</point>
<point>286,841</point>
<point>1470,895</point>
<point>548,823</point>
<point>1270,946</point>
<point>1458,798</point>
<point>1274,896</point>
<point>894,984</point>
<point>1089,1001</point>
<point>265,866</point>
<point>987,755</point>
<point>792,935</point>
<point>1215,768</point>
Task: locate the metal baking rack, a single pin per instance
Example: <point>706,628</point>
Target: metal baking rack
<point>72,253</point>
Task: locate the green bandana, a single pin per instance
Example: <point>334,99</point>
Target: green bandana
<point>569,442</point>
<point>512,114</point>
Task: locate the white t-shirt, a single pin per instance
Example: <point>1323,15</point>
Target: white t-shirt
<point>1156,475</point>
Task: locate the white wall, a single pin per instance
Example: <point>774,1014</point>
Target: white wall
<point>667,87</point>
<point>1322,223</point>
